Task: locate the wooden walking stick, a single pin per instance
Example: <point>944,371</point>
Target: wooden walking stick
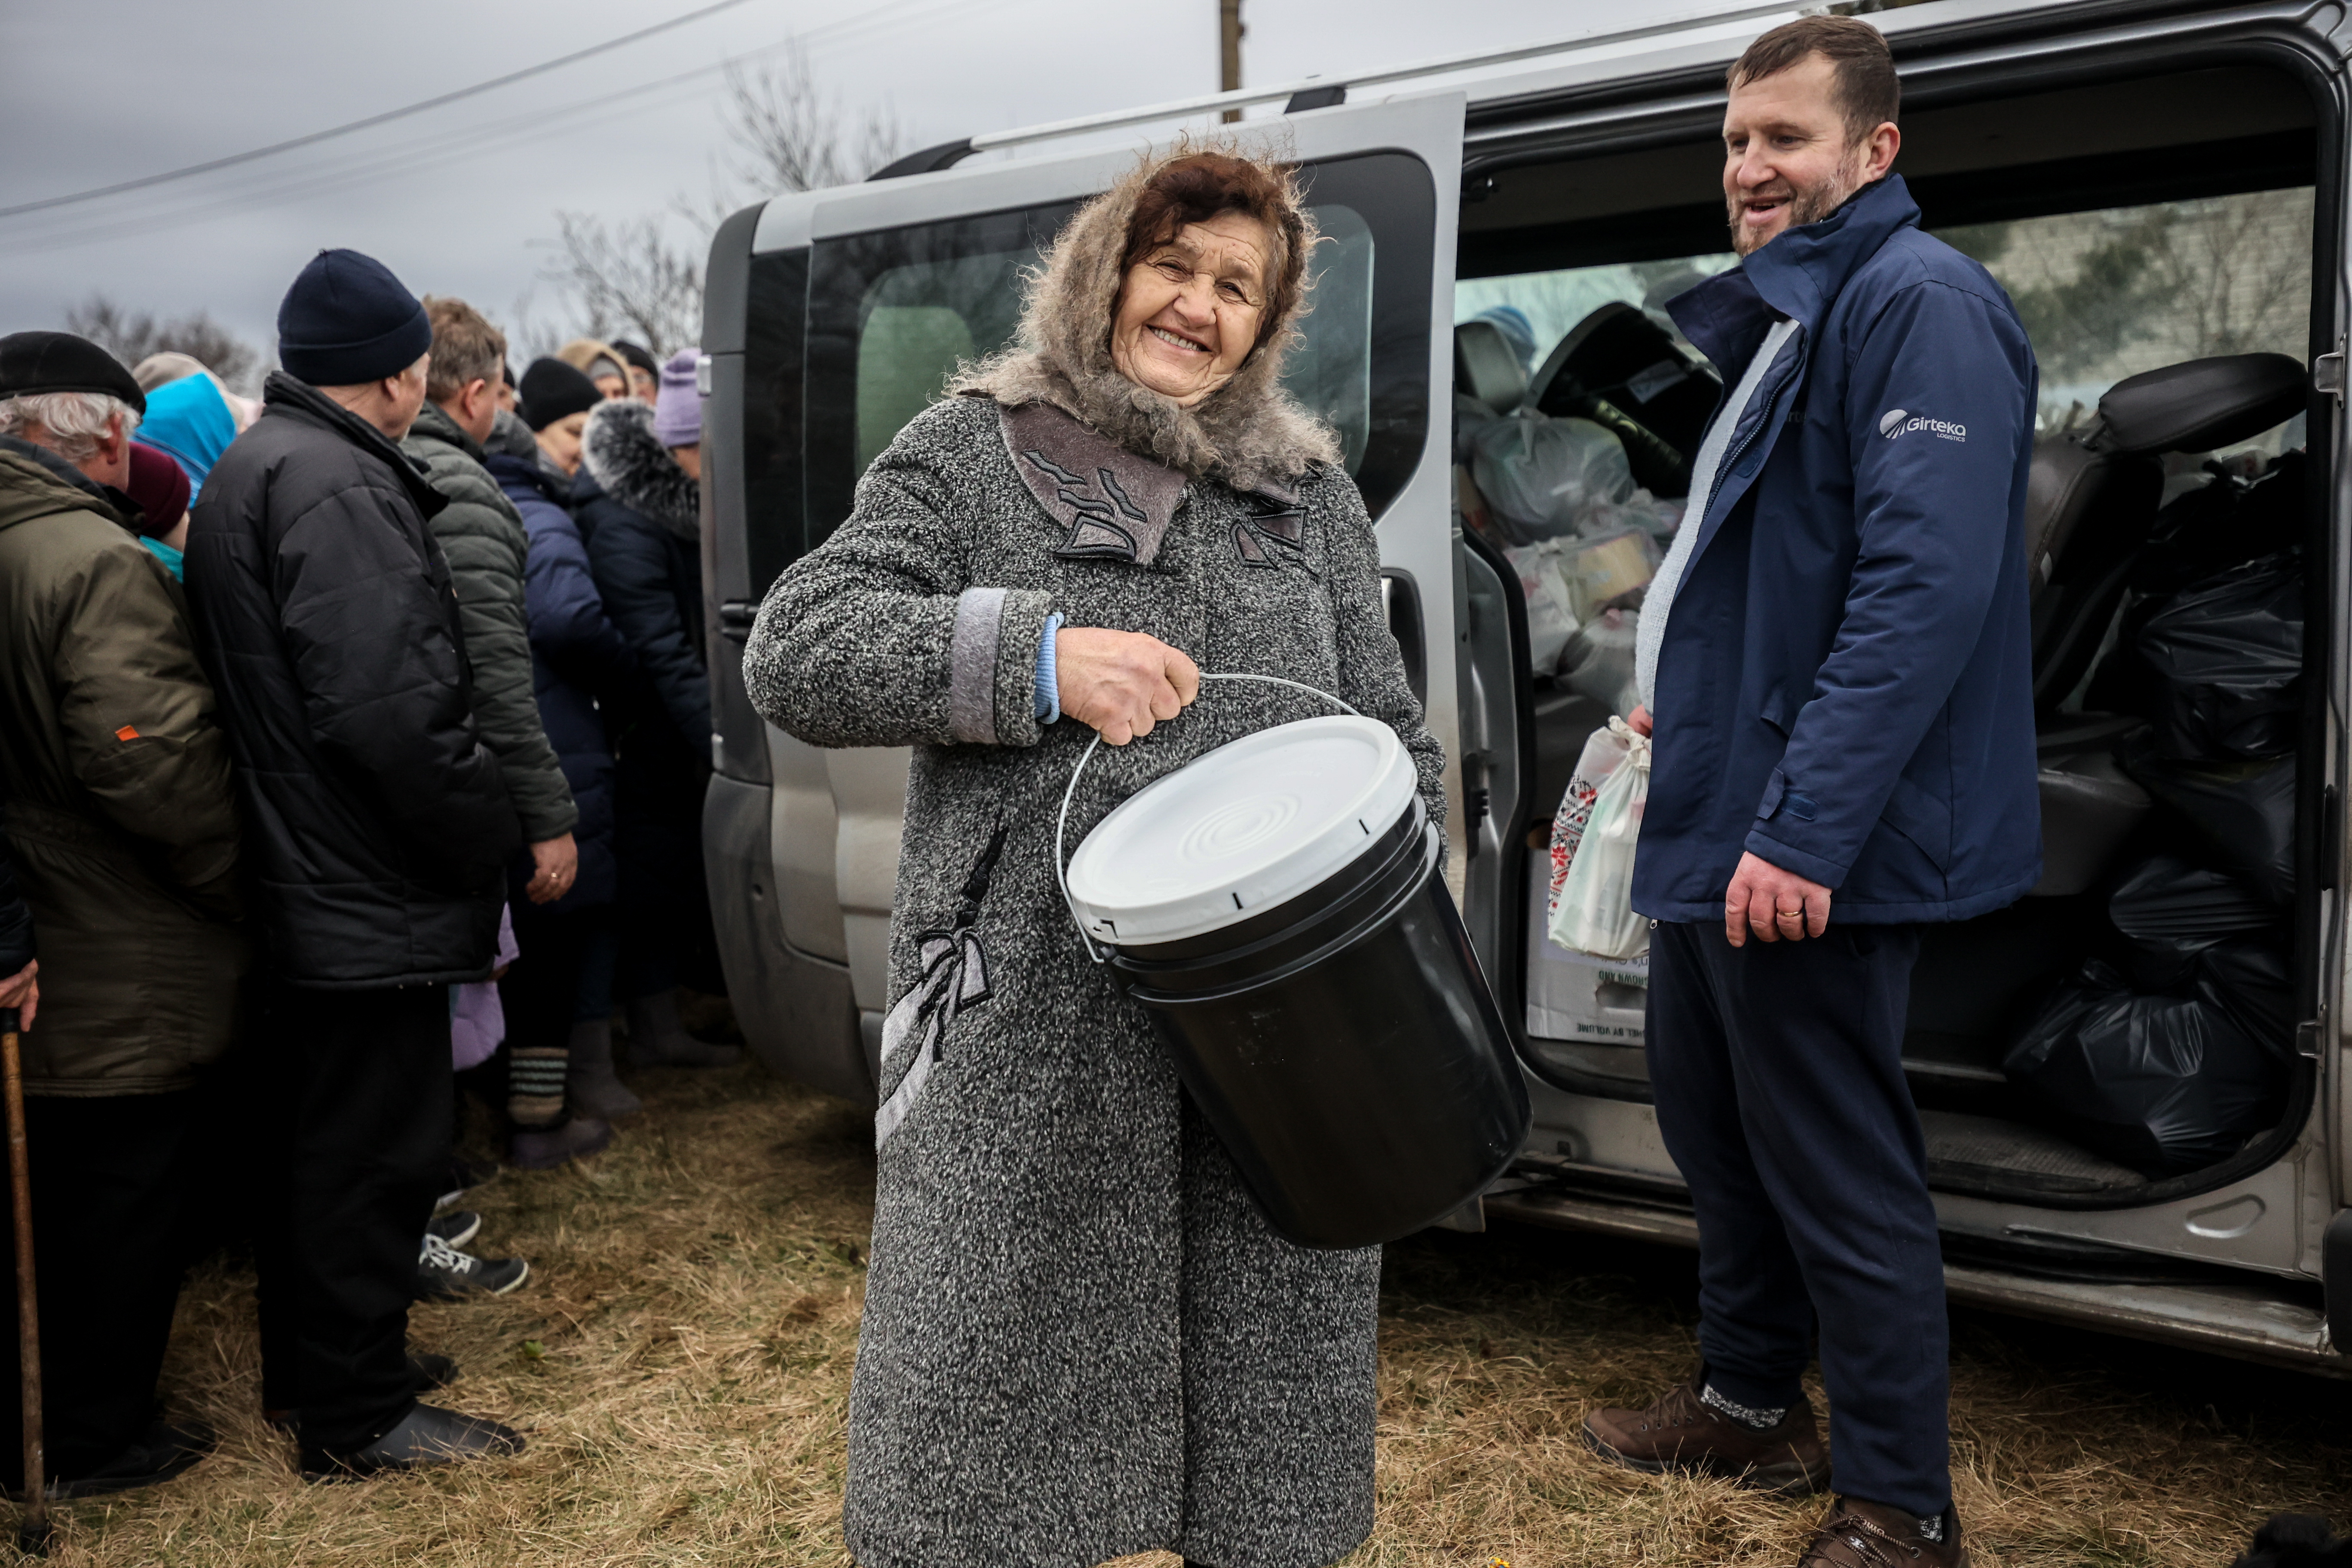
<point>33,1532</point>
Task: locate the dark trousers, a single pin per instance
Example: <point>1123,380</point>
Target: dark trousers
<point>665,908</point>
<point>108,1178</point>
<point>542,989</point>
<point>1777,1070</point>
<point>359,1127</point>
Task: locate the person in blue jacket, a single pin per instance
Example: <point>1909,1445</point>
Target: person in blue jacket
<point>559,996</point>
<point>1834,664</point>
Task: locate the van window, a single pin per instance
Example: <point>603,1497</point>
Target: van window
<point>2104,294</point>
<point>892,314</point>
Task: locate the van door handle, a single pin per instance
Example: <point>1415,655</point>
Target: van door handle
<point>735,618</point>
<point>1400,601</point>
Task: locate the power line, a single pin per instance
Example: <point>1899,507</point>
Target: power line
<point>437,147</point>
<point>314,137</point>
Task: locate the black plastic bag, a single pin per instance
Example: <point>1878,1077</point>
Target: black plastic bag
<point>2223,523</point>
<point>2250,975</point>
<point>2171,908</point>
<point>2160,1083</point>
<point>2242,810</point>
<point>2226,657</point>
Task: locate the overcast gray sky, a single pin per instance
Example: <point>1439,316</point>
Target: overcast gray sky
<point>463,201</point>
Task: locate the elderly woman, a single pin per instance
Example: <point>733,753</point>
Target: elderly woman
<point>1081,1339</point>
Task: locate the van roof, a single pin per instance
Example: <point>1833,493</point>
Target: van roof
<point>1712,34</point>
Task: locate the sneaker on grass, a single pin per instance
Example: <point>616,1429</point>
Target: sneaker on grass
<point>446,1274</point>
<point>455,1228</point>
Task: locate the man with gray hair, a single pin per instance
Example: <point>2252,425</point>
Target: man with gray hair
<point>121,817</point>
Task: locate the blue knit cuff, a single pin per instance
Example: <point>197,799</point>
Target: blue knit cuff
<point>1049,685</point>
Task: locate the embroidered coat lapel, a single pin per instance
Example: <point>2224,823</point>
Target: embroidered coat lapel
<point>1115,505</point>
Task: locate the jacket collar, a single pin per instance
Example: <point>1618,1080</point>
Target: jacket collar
<point>1799,274</point>
<point>620,451</point>
<point>434,424</point>
<point>104,500</point>
<point>283,396</point>
<point>510,470</point>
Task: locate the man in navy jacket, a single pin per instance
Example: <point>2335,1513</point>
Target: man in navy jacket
<point>1836,656</point>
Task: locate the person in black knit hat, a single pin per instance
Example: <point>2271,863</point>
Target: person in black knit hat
<point>556,402</point>
<point>380,834</point>
<point>645,371</point>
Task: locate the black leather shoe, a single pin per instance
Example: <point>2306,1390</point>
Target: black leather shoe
<point>428,1435</point>
<point>161,1452</point>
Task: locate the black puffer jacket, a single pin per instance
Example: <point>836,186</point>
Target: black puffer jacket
<point>377,826</point>
<point>641,516</point>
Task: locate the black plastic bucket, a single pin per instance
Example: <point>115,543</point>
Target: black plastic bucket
<point>1342,1042</point>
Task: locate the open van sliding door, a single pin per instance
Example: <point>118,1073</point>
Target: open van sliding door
<point>832,320</point>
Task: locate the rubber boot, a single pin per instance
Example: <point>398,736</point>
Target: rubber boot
<point>589,1080</point>
<point>544,1148</point>
<point>656,1039</point>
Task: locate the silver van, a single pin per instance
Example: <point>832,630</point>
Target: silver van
<point>2156,184</point>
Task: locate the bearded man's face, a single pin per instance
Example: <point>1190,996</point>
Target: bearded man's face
<point>1790,155</point>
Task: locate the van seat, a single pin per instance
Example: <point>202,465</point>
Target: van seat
<point>2087,515</point>
<point>1621,369</point>
<point>2198,404</point>
<point>1486,368</point>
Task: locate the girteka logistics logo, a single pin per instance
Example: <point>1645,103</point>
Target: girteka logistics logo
<point>1896,421</point>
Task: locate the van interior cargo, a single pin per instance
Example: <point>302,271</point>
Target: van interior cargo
<point>2130,1026</point>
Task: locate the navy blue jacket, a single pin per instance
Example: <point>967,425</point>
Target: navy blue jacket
<point>576,657</point>
<point>1844,685</point>
<point>651,580</point>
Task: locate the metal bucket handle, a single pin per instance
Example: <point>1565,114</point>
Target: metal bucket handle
<point>1061,824</point>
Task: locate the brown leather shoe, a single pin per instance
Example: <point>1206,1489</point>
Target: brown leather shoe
<point>1682,1431</point>
<point>1860,1534</point>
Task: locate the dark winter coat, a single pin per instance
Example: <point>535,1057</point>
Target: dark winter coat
<point>576,655</point>
<point>379,825</point>
<point>482,535</point>
<point>1845,683</point>
<point>641,517</point>
<point>119,808</point>
<point>17,947</point>
<point>1081,1339</point>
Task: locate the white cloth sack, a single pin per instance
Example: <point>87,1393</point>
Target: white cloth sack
<point>1552,605</point>
<point>1598,661</point>
<point>1594,912</point>
<point>1543,474</point>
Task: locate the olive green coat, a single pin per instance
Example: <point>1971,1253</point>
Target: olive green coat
<point>120,811</point>
<point>482,535</point>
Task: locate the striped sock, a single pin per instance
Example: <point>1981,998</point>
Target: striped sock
<point>535,1085</point>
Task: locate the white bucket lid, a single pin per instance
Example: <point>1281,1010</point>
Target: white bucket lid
<point>1250,825</point>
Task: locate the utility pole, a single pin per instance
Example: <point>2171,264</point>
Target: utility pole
<point>1229,45</point>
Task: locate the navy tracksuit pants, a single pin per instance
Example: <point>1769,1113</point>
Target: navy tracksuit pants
<point>1777,1071</point>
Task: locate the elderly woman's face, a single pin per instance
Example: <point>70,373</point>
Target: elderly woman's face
<point>1189,311</point>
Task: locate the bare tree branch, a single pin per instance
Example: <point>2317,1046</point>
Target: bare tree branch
<point>627,281</point>
<point>788,137</point>
<point>131,336</point>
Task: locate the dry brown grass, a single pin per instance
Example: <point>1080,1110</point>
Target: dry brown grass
<point>681,1361</point>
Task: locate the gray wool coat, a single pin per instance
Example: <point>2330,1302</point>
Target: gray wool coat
<point>1081,1339</point>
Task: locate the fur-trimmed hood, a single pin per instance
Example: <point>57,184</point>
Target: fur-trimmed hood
<point>636,469</point>
<point>1248,432</point>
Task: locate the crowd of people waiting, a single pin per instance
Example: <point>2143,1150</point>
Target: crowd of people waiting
<point>353,743</point>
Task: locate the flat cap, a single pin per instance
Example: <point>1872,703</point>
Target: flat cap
<point>35,362</point>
